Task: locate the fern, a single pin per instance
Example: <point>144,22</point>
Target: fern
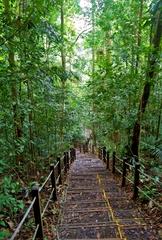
<point>155,150</point>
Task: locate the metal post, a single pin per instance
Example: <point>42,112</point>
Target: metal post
<point>67,160</point>
<point>59,170</point>
<point>71,155</point>
<point>101,153</point>
<point>86,148</point>
<point>80,148</point>
<point>136,180</point>
<point>113,162</point>
<point>37,212</point>
<point>107,159</point>
<point>93,149</point>
<point>124,172</point>
<point>104,154</point>
<point>83,148</point>
<point>74,154</point>
<point>53,182</point>
<point>98,152</point>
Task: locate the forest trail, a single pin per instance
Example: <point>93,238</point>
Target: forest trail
<point>97,208</point>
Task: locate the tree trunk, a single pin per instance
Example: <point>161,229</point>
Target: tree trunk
<point>137,125</point>
<point>158,123</point>
<point>139,34</point>
<point>150,74</point>
<point>30,119</point>
<point>63,56</point>
<point>93,71</point>
<point>63,80</point>
<point>17,124</point>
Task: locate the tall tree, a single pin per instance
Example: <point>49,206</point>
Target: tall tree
<point>156,33</point>
<point>12,69</point>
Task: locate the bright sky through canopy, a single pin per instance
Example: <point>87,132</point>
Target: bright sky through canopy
<point>85,4</point>
<point>81,22</point>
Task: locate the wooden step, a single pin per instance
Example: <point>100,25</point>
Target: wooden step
<point>72,232</point>
<point>88,215</point>
<point>73,202</point>
<point>125,224</point>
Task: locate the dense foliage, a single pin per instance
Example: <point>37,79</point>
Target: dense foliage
<point>123,48</point>
<point>38,96</point>
<point>58,83</point>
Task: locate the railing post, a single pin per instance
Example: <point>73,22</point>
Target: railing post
<point>124,172</point>
<point>53,182</point>
<point>98,152</point>
<point>37,212</point>
<point>107,159</point>
<point>136,180</point>
<point>67,160</point>
<point>80,148</point>
<point>59,170</point>
<point>93,149</point>
<point>71,155</point>
<point>84,148</point>
<point>101,149</point>
<point>113,162</point>
<point>104,154</point>
<point>74,153</point>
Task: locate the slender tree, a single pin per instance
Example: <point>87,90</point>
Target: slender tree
<point>156,34</point>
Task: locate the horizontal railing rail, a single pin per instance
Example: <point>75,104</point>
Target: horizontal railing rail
<point>23,220</point>
<point>45,182</point>
<point>61,167</point>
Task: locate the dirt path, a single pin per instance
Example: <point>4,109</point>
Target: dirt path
<point>97,208</point>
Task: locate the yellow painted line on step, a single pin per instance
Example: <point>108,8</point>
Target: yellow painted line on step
<point>119,226</point>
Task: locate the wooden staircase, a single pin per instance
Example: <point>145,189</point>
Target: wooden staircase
<point>97,208</point>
